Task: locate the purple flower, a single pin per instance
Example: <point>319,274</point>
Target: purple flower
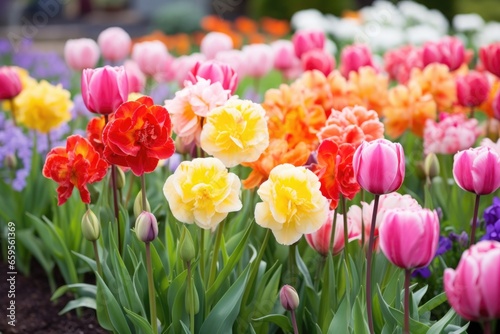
<point>492,221</point>
<point>462,238</point>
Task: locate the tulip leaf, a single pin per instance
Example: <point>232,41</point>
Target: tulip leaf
<point>111,306</point>
<point>77,303</point>
<point>340,321</point>
<point>139,322</point>
<point>327,294</point>
<point>432,304</point>
<point>185,328</point>
<point>303,269</point>
<point>360,325</point>
<point>440,325</point>
<point>281,320</point>
<point>83,289</point>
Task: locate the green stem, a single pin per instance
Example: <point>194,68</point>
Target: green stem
<point>13,111</point>
<point>407,302</point>
<point>255,265</point>
<point>346,232</point>
<point>215,256</point>
<point>202,253</point>
<point>191,297</point>
<point>292,263</point>
<point>151,288</point>
<point>143,192</point>
<point>369,265</point>
<point>474,222</point>
<point>97,261</point>
<point>334,230</point>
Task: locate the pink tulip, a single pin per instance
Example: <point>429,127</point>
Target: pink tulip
<point>409,238</point>
<point>10,83</point>
<point>305,40</point>
<point>496,106</point>
<point>472,89</point>
<point>81,53</point>
<point>136,79</point>
<point>284,54</point>
<point>379,166</point>
<point>400,62</point>
<point>104,89</point>
<point>215,72</point>
<point>353,57</point>
<point>473,289</point>
<point>289,298</point>
<point>449,51</point>
<point>151,56</point>
<point>215,42</point>
<point>184,64</point>
<point>318,60</point>
<point>259,59</point>
<point>235,59</point>
<point>477,170</point>
<point>320,240</point>
<point>115,44</point>
<point>490,58</point>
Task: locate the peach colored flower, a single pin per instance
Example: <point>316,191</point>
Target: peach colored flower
<point>408,108</point>
<point>437,80</point>
<point>368,88</point>
<point>315,82</point>
<point>487,106</point>
<point>352,125</point>
<point>292,203</point>
<point>191,104</point>
<point>203,192</point>
<point>235,132</point>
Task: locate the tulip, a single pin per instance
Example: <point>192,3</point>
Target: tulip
<point>477,170</point>
<point>81,53</point>
<point>496,105</point>
<point>473,289</point>
<point>379,166</point>
<point>259,59</point>
<point>449,51</point>
<point>184,64</point>
<point>136,79</point>
<point>320,240</point>
<point>318,60</point>
<point>472,89</point>
<point>235,59</point>
<point>490,58</point>
<point>146,227</point>
<point>353,57</point>
<point>114,43</point>
<point>151,56</point>
<point>104,89</point>
<point>215,72</point>
<point>91,228</point>
<point>10,83</point>
<point>284,54</point>
<point>214,42</point>
<point>409,238</point>
<point>304,41</point>
<point>289,298</point>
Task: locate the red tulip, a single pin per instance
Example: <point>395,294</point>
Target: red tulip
<point>304,41</point>
<point>472,89</point>
<point>477,170</point>
<point>449,51</point>
<point>10,83</point>
<point>490,58</point>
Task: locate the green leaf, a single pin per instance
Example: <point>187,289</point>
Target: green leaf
<point>221,318</point>
<point>341,319</point>
<point>453,329</point>
<point>432,304</point>
<point>82,289</point>
<point>114,309</point>
<point>303,269</point>
<point>282,321</point>
<point>77,303</point>
<point>327,294</point>
<point>185,328</point>
<point>360,324</point>
<point>440,325</point>
<point>139,322</point>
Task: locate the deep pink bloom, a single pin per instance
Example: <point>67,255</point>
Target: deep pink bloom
<point>318,60</point>
<point>472,89</point>
<point>215,72</point>
<point>400,62</point>
<point>259,59</point>
<point>409,238</point>
<point>379,166</point>
<point>490,58</point>
<point>353,57</point>
<point>136,79</point>
<point>215,42</point>
<point>284,54</point>
<point>10,83</point>
<point>115,44</point>
<point>449,51</point>
<point>477,170</point>
<point>81,53</point>
<point>152,57</point>
<point>473,289</point>
<point>104,89</point>
<point>307,40</point>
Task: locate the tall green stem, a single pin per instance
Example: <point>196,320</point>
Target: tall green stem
<point>292,263</point>
<point>13,111</point>
<point>202,253</point>
<point>407,302</point>
<point>215,256</point>
<point>346,232</point>
<point>97,261</point>
<point>143,192</point>
<point>255,265</point>
<point>369,265</point>
<point>334,229</point>
<point>191,297</point>
<point>151,288</point>
<point>474,222</point>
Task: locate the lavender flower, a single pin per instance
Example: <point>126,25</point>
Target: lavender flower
<point>57,138</point>
<point>462,238</point>
<point>492,221</point>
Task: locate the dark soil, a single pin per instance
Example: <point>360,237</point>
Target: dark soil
<point>35,313</point>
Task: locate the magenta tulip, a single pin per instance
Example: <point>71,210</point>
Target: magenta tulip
<point>104,89</point>
<point>318,60</point>
<point>215,72</point>
<point>490,58</point>
<point>496,106</point>
<point>353,57</point>
<point>379,166</point>
<point>115,44</point>
<point>307,40</point>
<point>472,89</point>
<point>10,83</point>
<point>136,79</point>
<point>409,238</point>
<point>284,54</point>
<point>81,53</point>
<point>449,51</point>
<point>477,170</point>
<point>215,42</point>
<point>473,289</point>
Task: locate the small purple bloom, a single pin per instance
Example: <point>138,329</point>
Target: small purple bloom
<point>462,238</point>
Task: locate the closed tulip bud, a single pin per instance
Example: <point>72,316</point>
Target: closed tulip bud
<point>187,252</point>
<point>379,166</point>
<point>120,178</point>
<point>215,72</point>
<point>472,89</point>
<point>10,161</point>
<point>318,60</point>
<point>320,240</point>
<point>284,55</point>
<point>136,79</point>
<point>259,59</point>
<point>289,298</point>
<point>10,83</point>
<point>81,53</point>
<point>114,43</point>
<point>146,227</point>
<point>91,228</point>
<point>307,40</point>
<point>104,89</point>
<point>449,51</point>
<point>431,166</point>
<point>151,56</point>
<point>409,238</point>
<point>490,58</point>
<point>138,207</point>
<point>477,170</point>
<point>215,42</point>
<point>473,289</point>
<point>354,57</point>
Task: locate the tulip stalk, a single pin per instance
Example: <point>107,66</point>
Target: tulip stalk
<point>369,265</point>
<point>346,232</point>
<point>143,192</point>
<point>407,302</point>
<point>487,327</point>
<point>97,261</point>
<point>474,222</point>
<point>190,288</point>
<point>151,288</point>
<point>13,111</point>
<point>294,322</point>
<point>215,256</point>
<point>334,228</point>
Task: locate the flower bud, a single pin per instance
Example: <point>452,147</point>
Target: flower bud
<point>120,178</point>
<point>138,205</point>
<point>91,228</point>
<point>10,161</point>
<point>289,298</point>
<point>187,251</point>
<point>431,166</point>
<point>146,227</point>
